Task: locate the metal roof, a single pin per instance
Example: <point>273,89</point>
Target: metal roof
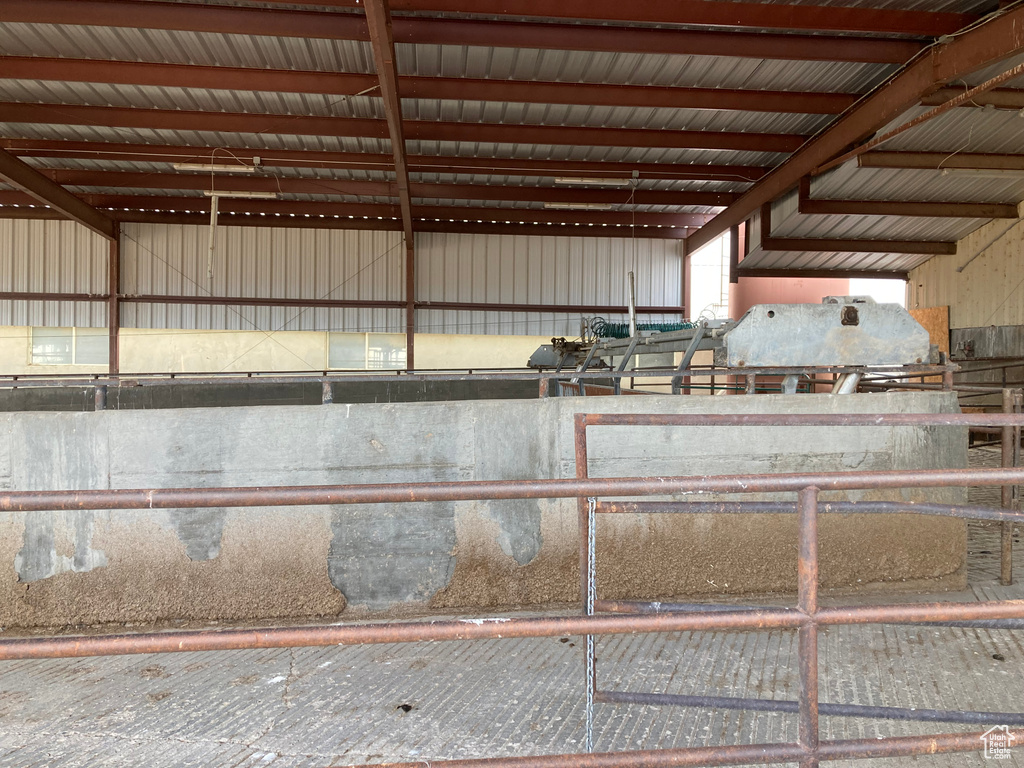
<point>488,139</point>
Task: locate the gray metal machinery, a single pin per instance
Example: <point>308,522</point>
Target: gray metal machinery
<point>842,331</point>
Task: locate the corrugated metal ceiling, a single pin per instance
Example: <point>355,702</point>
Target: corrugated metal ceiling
<point>963,130</point>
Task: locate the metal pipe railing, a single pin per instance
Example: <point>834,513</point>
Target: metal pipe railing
<point>805,618</point>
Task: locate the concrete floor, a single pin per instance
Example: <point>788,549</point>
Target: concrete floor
<point>342,706</point>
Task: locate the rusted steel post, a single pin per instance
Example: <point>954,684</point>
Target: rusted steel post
<point>100,397</point>
<point>1006,528</point>
<point>114,303</point>
<point>544,388</point>
<point>807,585</point>
<point>947,380</point>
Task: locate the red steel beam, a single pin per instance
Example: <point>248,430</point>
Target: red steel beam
<point>364,223</point>
<point>447,31</point>
<point>910,208</point>
<point>172,203</point>
<point>378,18</point>
<point>160,153</point>
<point>809,205</point>
<point>870,274</point>
<point>701,12</point>
<point>453,88</point>
<point>837,245</point>
<point>938,160</point>
<point>311,125</point>
<point>991,41</point>
<point>829,245</point>
<point>201,181</point>
<point>680,42</point>
<point>43,189</point>
<point>1000,98</point>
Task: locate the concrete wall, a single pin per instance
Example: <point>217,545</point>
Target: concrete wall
<point>91,567</point>
<point>157,350</point>
<point>988,291</point>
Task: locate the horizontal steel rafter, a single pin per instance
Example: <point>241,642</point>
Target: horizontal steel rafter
<point>941,160</point>
<point>832,245</point>
<point>998,37</point>
<point>201,181</point>
<point>412,87</point>
<point>1000,98</point>
<point>872,274</point>
<point>300,158</point>
<point>448,31</point>
<point>294,221</point>
<point>315,125</point>
<point>317,209</point>
<point>703,12</point>
<point>809,205</point>
<point>256,301</point>
<point>840,245</point>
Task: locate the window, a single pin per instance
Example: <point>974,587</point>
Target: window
<point>70,346</point>
<point>366,351</point>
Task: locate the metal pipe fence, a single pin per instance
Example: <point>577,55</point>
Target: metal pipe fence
<point>606,617</point>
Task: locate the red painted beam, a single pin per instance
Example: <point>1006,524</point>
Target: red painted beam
<point>830,245</point>
<point>41,188</point>
<point>301,222</point>
<point>991,41</point>
<point>1000,98</point>
<point>161,153</point>
<point>317,209</point>
<point>453,88</point>
<point>926,208</point>
<point>912,208</point>
<point>201,181</point>
<point>447,31</point>
<point>204,17</point>
<point>699,12</point>
<point>680,42</point>
<point>939,160</point>
<point>378,19</point>
<point>825,273</point>
<point>305,125</point>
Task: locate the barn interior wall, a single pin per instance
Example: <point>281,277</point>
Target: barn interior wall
<point>982,284</point>
<point>361,266</point>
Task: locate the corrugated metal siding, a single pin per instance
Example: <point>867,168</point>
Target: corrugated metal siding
<point>989,290</point>
<point>52,256</point>
<point>263,263</point>
<point>529,269</point>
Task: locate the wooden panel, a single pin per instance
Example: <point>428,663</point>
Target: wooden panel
<point>936,321</point>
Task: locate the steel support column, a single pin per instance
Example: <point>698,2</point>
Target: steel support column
<point>114,302</point>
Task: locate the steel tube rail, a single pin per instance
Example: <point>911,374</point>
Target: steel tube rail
<point>967,512</point>
<point>824,708</point>
<point>375,633</point>
<point>740,754</point>
<point>383,632</point>
<point>394,493</point>
<point>641,606</point>
<point>800,419</point>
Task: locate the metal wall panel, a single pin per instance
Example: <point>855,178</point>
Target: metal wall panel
<point>529,269</point>
<point>52,257</point>
<point>263,263</point>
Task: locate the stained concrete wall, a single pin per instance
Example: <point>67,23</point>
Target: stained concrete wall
<point>118,566</point>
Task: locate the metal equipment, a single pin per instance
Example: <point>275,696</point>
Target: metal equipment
<point>842,331</point>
